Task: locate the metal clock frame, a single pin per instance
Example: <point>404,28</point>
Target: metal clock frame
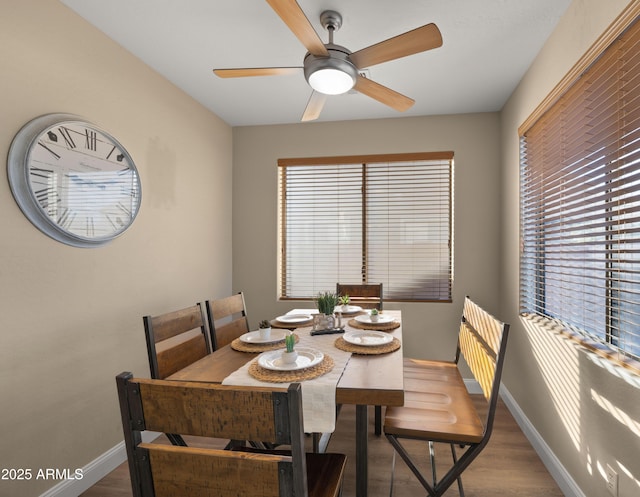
<point>18,176</point>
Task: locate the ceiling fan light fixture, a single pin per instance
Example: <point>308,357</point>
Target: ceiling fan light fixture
<point>331,81</point>
<point>330,75</point>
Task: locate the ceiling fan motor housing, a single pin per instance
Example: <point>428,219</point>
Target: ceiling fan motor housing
<point>338,61</point>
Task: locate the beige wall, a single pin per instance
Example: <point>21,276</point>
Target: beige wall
<point>71,319</point>
<point>587,411</point>
<point>430,330</point>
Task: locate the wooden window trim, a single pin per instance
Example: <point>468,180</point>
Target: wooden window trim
<point>617,27</point>
<point>370,159</point>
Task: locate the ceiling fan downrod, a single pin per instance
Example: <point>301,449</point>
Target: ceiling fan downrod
<point>331,21</point>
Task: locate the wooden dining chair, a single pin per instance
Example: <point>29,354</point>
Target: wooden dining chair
<point>213,410</point>
<point>367,296</point>
<point>175,340</point>
<point>227,319</point>
<point>437,406</point>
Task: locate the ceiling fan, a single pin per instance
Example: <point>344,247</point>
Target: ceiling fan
<point>332,69</point>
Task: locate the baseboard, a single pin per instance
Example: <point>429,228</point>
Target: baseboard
<point>564,480</point>
<point>93,472</point>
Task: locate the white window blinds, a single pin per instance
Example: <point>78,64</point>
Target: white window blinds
<point>580,203</point>
<point>374,219</point>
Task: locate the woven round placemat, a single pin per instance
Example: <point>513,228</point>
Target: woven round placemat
<point>374,326</point>
<point>262,374</point>
<point>342,344</point>
<point>241,346</point>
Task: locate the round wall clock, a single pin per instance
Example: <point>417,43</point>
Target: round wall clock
<point>74,182</point>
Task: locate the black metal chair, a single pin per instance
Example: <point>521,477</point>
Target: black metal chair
<point>437,407</point>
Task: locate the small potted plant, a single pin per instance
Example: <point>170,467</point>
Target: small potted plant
<point>326,302</point>
<point>374,315</point>
<point>265,329</point>
<point>289,355</point>
<point>344,302</point>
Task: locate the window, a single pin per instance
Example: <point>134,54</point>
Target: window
<point>580,204</point>
<point>374,219</point>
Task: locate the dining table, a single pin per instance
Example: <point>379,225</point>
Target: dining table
<point>368,377</point>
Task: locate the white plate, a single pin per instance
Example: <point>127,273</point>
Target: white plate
<point>366,318</point>
<point>294,318</point>
<point>254,336</point>
<point>350,309</point>
<point>306,358</point>
<point>367,338</point>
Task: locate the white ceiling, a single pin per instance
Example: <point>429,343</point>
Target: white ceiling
<point>488,46</point>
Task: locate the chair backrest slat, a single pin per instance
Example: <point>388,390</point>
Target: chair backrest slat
<point>227,333</point>
<point>181,355</point>
<point>174,323</point>
<point>228,305</point>
<point>228,473</point>
<point>239,415</point>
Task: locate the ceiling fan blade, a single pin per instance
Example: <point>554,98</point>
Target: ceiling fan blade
<point>293,16</point>
<point>256,71</point>
<point>383,94</point>
<point>418,40</point>
<point>314,106</point>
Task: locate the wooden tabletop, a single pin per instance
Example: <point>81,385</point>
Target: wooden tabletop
<point>367,379</point>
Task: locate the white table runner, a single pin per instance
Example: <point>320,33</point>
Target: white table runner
<point>318,394</point>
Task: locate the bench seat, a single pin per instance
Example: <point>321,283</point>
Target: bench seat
<point>437,406</point>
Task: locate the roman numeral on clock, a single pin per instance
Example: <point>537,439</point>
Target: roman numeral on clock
<point>64,132</point>
<point>48,150</point>
<point>90,228</point>
<point>91,140</point>
<point>110,152</point>
<point>37,172</point>
<point>66,218</point>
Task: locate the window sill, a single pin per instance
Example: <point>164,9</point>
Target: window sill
<point>598,348</point>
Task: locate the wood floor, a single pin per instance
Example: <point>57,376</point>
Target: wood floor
<point>508,466</point>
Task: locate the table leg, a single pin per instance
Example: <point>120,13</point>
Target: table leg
<point>362,450</point>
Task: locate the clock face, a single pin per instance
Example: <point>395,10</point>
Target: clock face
<point>74,182</point>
